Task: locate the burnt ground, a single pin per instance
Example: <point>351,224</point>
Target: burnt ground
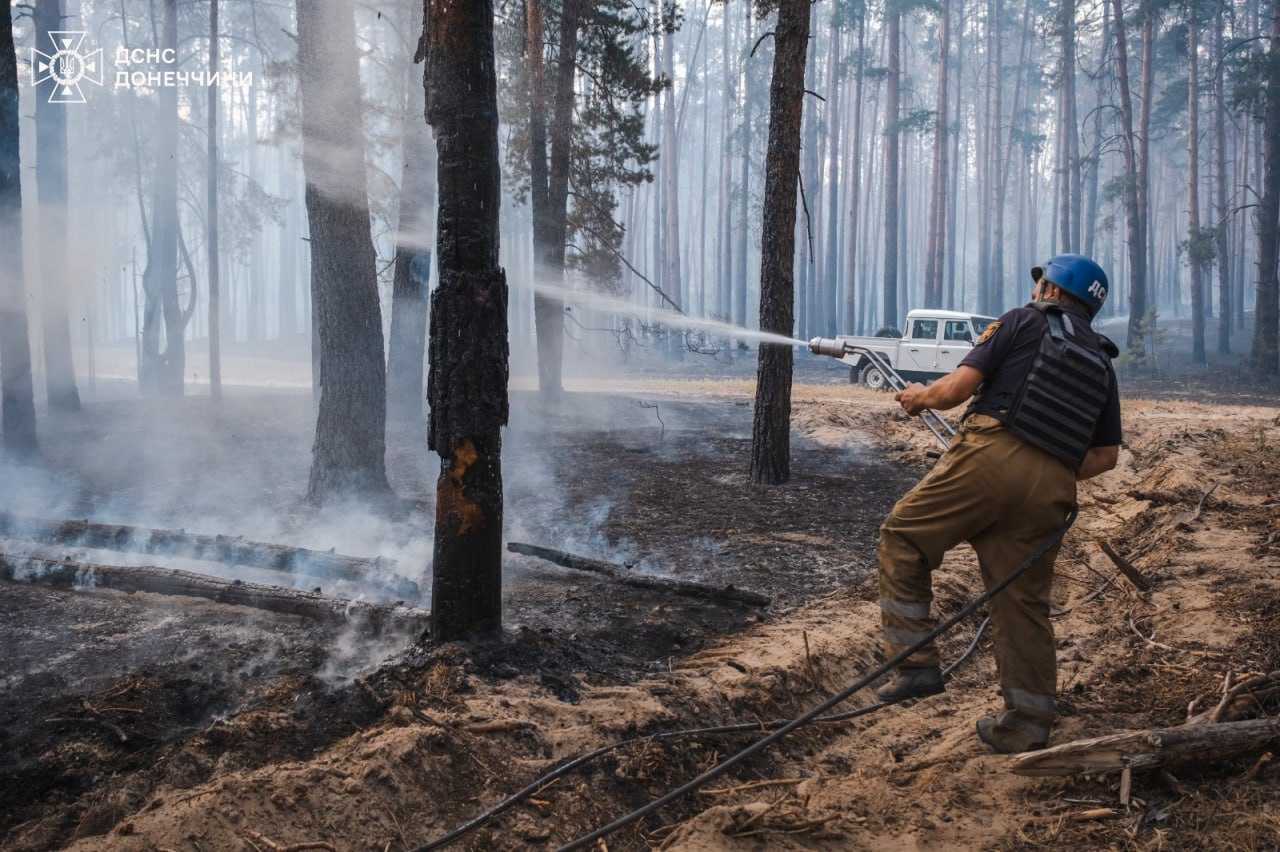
<point>109,696</point>
<point>146,722</point>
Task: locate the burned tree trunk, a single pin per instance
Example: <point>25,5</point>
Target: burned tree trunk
<point>17,401</point>
<point>349,454</point>
<point>467,381</point>
<point>771,429</point>
<point>51,182</point>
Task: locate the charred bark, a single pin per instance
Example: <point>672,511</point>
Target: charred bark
<point>1199,744</point>
<point>349,454</point>
<point>167,581</point>
<point>642,581</point>
<point>771,427</point>
<point>17,400</point>
<point>467,382</point>
<point>51,184</point>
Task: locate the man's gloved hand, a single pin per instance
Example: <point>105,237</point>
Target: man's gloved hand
<point>912,398</point>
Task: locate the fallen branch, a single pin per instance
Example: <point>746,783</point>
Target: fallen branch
<point>212,548</point>
<point>1126,567</point>
<point>643,581</point>
<point>1139,750</point>
<point>257,837</point>
<point>1200,505</point>
<point>1239,698</point>
<point>166,581</point>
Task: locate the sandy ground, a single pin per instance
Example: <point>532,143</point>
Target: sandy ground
<point>443,733</point>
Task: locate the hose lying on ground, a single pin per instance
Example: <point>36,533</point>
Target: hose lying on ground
<point>780,729</point>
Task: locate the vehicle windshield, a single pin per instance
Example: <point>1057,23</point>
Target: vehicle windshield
<point>980,324</point>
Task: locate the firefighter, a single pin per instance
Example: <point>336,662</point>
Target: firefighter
<point>1046,414</point>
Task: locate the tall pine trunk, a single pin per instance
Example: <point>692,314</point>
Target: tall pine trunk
<point>830,283</point>
<point>51,184</point>
<point>549,311</point>
<point>467,386</point>
<point>855,185</point>
<point>1221,230</point>
<point>349,454</point>
<point>412,277</point>
<point>17,399</point>
<point>1136,234</point>
<point>1194,249</point>
<point>211,217</point>
<point>162,369</point>
<point>771,426</point>
<point>936,248</point>
<point>892,134</point>
<point>1266,345</point>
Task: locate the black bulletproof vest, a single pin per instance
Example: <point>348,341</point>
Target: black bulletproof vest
<point>1055,404</point>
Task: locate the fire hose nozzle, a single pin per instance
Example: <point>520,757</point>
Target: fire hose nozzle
<point>827,346</point>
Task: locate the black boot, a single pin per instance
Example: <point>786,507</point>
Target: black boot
<point>912,683</point>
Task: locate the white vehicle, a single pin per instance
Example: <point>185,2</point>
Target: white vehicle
<point>934,343</point>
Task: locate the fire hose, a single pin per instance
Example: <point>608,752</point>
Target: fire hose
<point>780,729</point>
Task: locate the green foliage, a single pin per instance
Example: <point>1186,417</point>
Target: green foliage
<point>1200,248</point>
<point>1141,351</point>
<point>1248,82</point>
<point>608,150</point>
<point>1114,189</point>
<point>917,121</point>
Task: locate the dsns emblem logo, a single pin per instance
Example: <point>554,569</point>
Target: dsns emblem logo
<point>67,67</point>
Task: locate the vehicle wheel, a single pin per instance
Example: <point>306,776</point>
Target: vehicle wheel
<point>888,331</point>
<point>873,378</point>
<point>853,375</point>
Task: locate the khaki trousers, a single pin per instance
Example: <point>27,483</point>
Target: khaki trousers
<point>1006,498</point>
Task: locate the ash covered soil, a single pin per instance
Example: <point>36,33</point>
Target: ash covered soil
<point>148,722</point>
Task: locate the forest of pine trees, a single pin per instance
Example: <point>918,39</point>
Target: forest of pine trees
<point>945,148</point>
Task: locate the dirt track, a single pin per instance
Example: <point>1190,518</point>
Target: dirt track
<point>278,755</point>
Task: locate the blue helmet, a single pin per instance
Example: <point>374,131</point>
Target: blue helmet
<point>1080,277</point>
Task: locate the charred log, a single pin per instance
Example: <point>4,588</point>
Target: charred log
<point>622,575</point>
<point>212,548</point>
<point>1134,750</point>
<point>165,581</point>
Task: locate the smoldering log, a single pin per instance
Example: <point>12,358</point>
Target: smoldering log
<point>167,581</point>
<point>1136,750</point>
<point>643,581</point>
<point>212,548</point>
